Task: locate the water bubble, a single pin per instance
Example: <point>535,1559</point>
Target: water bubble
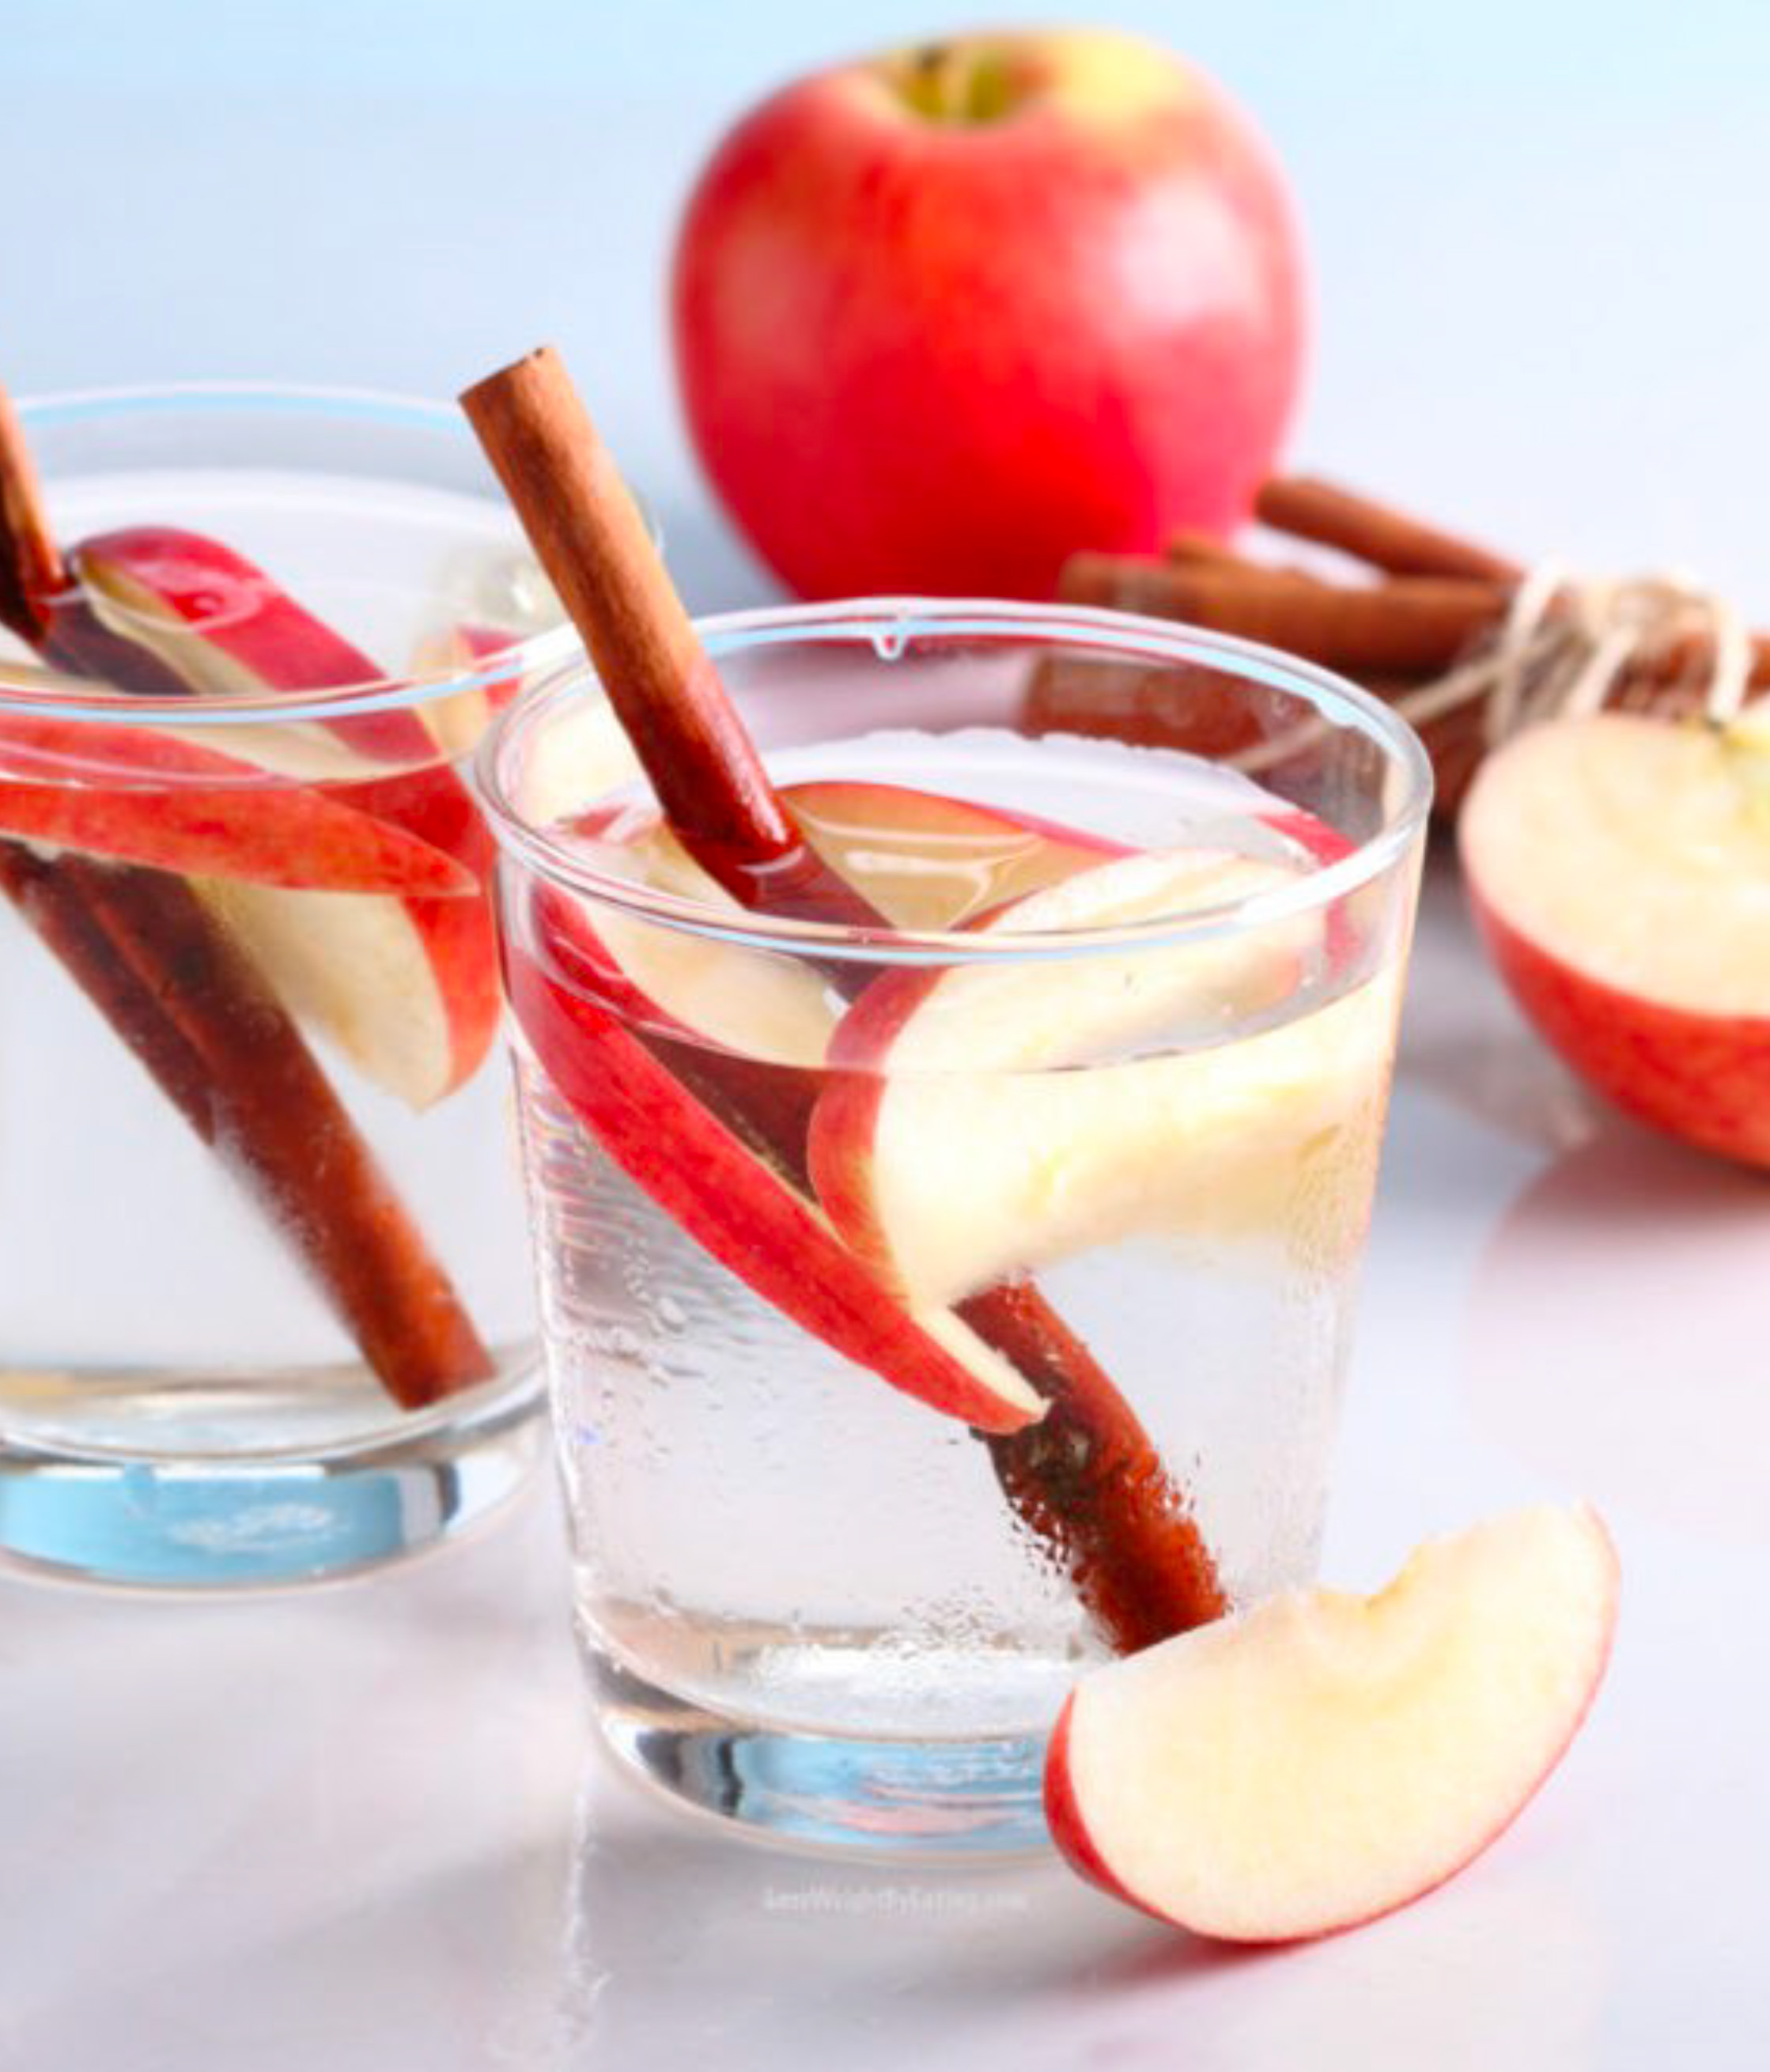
<point>890,645</point>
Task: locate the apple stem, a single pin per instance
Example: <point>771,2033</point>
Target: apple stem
<point>958,82</point>
<point>1096,1491</point>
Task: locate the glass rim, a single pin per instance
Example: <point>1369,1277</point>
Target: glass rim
<point>30,691</point>
<point>904,618</point>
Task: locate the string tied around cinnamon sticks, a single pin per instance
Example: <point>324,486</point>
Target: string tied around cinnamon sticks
<point>1469,644</point>
<point>1567,643</point>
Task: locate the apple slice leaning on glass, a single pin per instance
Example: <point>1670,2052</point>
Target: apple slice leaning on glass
<point>406,987</point>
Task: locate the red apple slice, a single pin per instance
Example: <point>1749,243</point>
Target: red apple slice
<point>995,1117</point>
<point>1618,867</point>
<point>407,988</point>
<point>726,1197</point>
<point>1324,1758</point>
<point>457,719</point>
<point>925,862</point>
<point>928,862</point>
<point>135,795</point>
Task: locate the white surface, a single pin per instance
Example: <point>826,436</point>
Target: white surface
<point>366,1828</point>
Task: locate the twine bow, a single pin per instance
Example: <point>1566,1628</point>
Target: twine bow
<point>1567,642</point>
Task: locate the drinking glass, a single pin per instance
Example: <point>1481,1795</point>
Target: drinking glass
<point>935,1308</point>
<point>264,1315</point>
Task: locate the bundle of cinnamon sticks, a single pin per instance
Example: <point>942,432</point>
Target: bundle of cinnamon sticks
<point>1407,604</point>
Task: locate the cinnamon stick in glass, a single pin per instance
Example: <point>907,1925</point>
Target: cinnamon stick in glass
<point>1086,1478</point>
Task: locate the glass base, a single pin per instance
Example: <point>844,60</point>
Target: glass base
<point>199,1522</point>
<point>968,1802</point>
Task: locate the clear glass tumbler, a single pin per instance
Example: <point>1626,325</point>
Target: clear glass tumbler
<point>265,1314</point>
<point>932,1309</point>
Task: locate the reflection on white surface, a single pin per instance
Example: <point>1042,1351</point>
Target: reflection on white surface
<point>687,1948</point>
<point>1616,1333</point>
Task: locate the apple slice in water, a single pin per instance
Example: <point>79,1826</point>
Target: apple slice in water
<point>923,860</point>
<point>993,1118</point>
<point>1324,1758</point>
<point>1618,867</point>
<point>739,1207</point>
<point>645,1030</point>
<point>407,989</point>
<point>137,795</point>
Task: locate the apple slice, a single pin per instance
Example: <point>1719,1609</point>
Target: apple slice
<point>992,1118</point>
<point>740,1208</point>
<point>407,989</point>
<point>928,862</point>
<point>457,721</point>
<point>136,795</point>
<point>924,861</point>
<point>1619,870</point>
<point>1325,1758</point>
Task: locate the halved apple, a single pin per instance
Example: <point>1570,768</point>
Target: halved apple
<point>743,1208</point>
<point>1324,1758</point>
<point>990,1118</point>
<point>1619,870</point>
<point>408,988</point>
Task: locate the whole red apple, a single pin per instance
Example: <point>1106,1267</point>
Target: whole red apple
<point>943,316</point>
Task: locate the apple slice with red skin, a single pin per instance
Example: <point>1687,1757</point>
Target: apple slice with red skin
<point>728,1030</point>
<point>406,987</point>
<point>744,1211</point>
<point>457,720</point>
<point>1323,1758</point>
<point>988,1118</point>
<point>136,794</point>
<point>925,862</point>
<point>1618,870</point>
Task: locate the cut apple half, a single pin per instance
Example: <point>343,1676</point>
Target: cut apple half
<point>1619,870</point>
<point>728,1198</point>
<point>990,1118</point>
<point>1324,1758</point>
<point>406,988</point>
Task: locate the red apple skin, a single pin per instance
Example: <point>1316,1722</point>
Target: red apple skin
<point>176,806</point>
<point>236,608</point>
<point>1070,1835</point>
<point>1703,1078</point>
<point>749,1217</point>
<point>1063,1816</point>
<point>923,355</point>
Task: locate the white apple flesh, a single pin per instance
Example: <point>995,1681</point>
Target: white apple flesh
<point>1619,870</point>
<point>993,1118</point>
<point>1325,1758</point>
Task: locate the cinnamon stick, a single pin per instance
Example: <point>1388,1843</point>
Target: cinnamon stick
<point>1408,625</point>
<point>185,999</point>
<point>1309,507</point>
<point>1092,1485</point>
<point>588,535</point>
